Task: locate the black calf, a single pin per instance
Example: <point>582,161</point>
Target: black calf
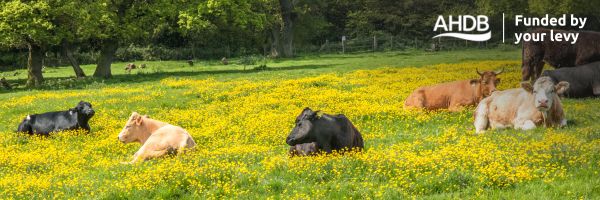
<point>43,124</point>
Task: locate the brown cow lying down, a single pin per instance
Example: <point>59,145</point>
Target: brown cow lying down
<point>157,138</point>
<point>523,108</point>
<point>454,95</point>
<point>304,149</point>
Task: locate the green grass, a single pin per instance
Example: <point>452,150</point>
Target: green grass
<point>282,68</point>
<point>581,181</point>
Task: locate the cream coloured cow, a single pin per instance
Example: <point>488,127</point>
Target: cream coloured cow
<point>523,108</point>
<point>157,138</point>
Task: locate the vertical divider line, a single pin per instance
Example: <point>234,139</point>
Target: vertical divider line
<point>502,27</point>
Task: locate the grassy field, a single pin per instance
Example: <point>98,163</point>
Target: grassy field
<point>240,118</point>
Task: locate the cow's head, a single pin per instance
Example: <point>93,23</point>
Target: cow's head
<point>487,82</point>
<point>544,91</point>
<point>303,131</point>
<point>134,129</point>
<point>85,109</point>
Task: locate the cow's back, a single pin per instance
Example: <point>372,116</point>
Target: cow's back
<point>172,136</point>
<point>581,79</point>
<point>560,54</point>
<point>349,136</point>
<point>53,121</point>
<point>588,47</point>
<point>557,54</point>
<point>441,95</point>
<point>506,105</point>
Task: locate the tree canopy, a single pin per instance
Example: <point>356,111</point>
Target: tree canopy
<point>225,28</point>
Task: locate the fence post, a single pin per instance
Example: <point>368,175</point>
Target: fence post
<point>374,43</point>
<point>343,44</point>
<point>392,42</point>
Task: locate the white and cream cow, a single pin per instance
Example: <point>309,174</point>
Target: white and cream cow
<point>523,108</point>
<point>157,138</point>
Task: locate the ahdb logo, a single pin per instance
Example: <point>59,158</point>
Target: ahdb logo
<point>462,27</point>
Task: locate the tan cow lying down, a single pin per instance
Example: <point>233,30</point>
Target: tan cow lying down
<point>523,108</point>
<point>157,138</point>
<point>454,95</point>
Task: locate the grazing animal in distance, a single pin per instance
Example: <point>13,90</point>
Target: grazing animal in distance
<point>224,61</point>
<point>143,66</point>
<point>190,62</point>
<point>584,80</point>
<point>304,149</point>
<point>130,67</point>
<point>329,132</point>
<point>5,84</point>
<point>558,54</point>
<point>523,108</point>
<point>157,138</point>
<point>454,95</point>
<point>45,123</point>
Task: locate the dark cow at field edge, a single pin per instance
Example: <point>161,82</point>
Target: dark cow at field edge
<point>558,54</point>
<point>44,124</point>
<point>329,132</point>
<point>584,80</point>
<point>454,95</point>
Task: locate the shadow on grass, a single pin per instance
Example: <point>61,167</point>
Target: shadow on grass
<point>61,83</point>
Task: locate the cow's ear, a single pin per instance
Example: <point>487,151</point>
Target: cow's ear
<point>526,85</point>
<point>561,87</point>
<point>138,120</point>
<point>474,82</point>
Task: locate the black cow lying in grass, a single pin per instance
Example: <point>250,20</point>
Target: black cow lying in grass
<point>44,124</point>
<point>584,80</point>
<point>329,132</point>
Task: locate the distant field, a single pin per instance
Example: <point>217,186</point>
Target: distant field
<point>240,120</point>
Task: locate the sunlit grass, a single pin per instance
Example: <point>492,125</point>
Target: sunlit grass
<point>239,121</point>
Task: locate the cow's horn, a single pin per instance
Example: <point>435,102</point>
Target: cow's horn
<point>499,72</point>
<point>480,74</point>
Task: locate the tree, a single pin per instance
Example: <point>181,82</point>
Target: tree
<point>581,8</point>
<point>27,25</point>
<point>125,21</point>
<point>39,25</point>
<point>231,22</point>
<point>72,26</point>
<point>287,33</point>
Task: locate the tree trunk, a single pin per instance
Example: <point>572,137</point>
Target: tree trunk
<point>274,40</point>
<point>34,66</point>
<point>107,54</point>
<point>67,51</point>
<point>287,34</point>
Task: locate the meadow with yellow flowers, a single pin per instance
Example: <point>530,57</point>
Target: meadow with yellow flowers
<point>240,119</point>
